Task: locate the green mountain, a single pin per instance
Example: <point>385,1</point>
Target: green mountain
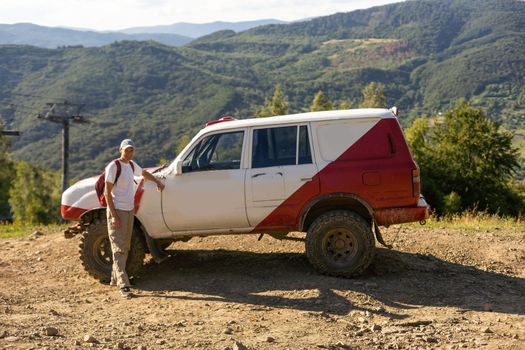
<point>427,53</point>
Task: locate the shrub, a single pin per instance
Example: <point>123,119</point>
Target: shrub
<point>466,153</point>
<point>451,204</point>
<point>34,195</point>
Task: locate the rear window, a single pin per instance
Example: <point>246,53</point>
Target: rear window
<point>279,146</point>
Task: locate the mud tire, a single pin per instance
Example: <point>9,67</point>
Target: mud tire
<point>95,251</point>
<point>340,243</point>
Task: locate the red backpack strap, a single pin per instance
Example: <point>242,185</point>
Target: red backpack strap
<point>132,167</point>
<point>119,170</point>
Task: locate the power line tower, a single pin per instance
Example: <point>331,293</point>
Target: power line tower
<point>64,113</point>
<point>10,132</point>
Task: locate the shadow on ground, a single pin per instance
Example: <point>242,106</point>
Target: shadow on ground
<point>286,280</point>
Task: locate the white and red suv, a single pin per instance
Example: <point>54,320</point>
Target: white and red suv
<point>335,175</point>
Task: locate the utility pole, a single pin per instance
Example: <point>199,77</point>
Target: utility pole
<point>64,113</point>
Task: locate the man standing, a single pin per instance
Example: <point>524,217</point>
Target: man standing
<point>120,197</point>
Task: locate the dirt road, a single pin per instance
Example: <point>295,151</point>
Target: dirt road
<point>437,289</point>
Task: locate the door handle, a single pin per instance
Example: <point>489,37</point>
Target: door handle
<point>306,179</point>
<point>257,175</point>
<point>279,173</point>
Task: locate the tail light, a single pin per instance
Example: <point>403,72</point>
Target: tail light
<point>416,183</point>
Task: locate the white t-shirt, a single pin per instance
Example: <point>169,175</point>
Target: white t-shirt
<point>123,193</point>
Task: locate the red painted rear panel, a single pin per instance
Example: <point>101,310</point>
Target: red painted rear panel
<point>371,171</point>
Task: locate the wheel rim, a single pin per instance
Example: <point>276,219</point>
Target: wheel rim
<point>340,246</point>
<point>102,252</point>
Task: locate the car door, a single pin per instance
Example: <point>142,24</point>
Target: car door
<point>281,164</point>
<point>209,194</point>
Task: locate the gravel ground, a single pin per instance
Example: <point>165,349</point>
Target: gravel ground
<point>436,289</point>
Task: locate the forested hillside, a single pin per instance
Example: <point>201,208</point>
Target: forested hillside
<point>428,54</point>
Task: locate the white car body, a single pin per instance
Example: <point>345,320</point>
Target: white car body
<point>248,199</point>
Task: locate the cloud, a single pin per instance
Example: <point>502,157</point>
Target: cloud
<point>117,14</point>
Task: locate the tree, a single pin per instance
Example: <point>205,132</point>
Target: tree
<point>468,154</point>
<point>6,175</point>
<point>184,140</point>
<point>34,195</point>
<point>321,103</point>
<point>374,96</point>
<point>277,106</point>
<point>417,137</point>
<point>344,105</point>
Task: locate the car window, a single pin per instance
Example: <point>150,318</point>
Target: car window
<point>215,152</point>
<point>305,156</point>
<point>278,146</point>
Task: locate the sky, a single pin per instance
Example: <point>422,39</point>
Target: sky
<point>120,14</point>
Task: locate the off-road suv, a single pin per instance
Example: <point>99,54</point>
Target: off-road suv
<point>335,175</point>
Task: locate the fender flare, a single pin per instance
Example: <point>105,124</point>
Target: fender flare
<point>334,197</point>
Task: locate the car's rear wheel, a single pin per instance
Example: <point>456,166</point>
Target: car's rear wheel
<point>95,251</point>
<point>340,243</point>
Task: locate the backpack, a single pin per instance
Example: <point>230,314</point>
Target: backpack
<point>101,182</point>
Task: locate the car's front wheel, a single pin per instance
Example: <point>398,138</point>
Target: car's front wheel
<point>95,251</point>
<point>340,243</point>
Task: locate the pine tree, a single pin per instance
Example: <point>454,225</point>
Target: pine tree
<point>374,96</point>
<point>321,103</point>
<point>344,105</point>
<point>278,105</point>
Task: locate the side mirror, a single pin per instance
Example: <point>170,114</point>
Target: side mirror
<point>178,167</point>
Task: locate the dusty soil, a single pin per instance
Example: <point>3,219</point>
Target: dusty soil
<point>437,289</point>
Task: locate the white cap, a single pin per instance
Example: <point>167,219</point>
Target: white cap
<point>127,143</point>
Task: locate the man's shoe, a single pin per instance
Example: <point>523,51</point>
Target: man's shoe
<point>126,293</point>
